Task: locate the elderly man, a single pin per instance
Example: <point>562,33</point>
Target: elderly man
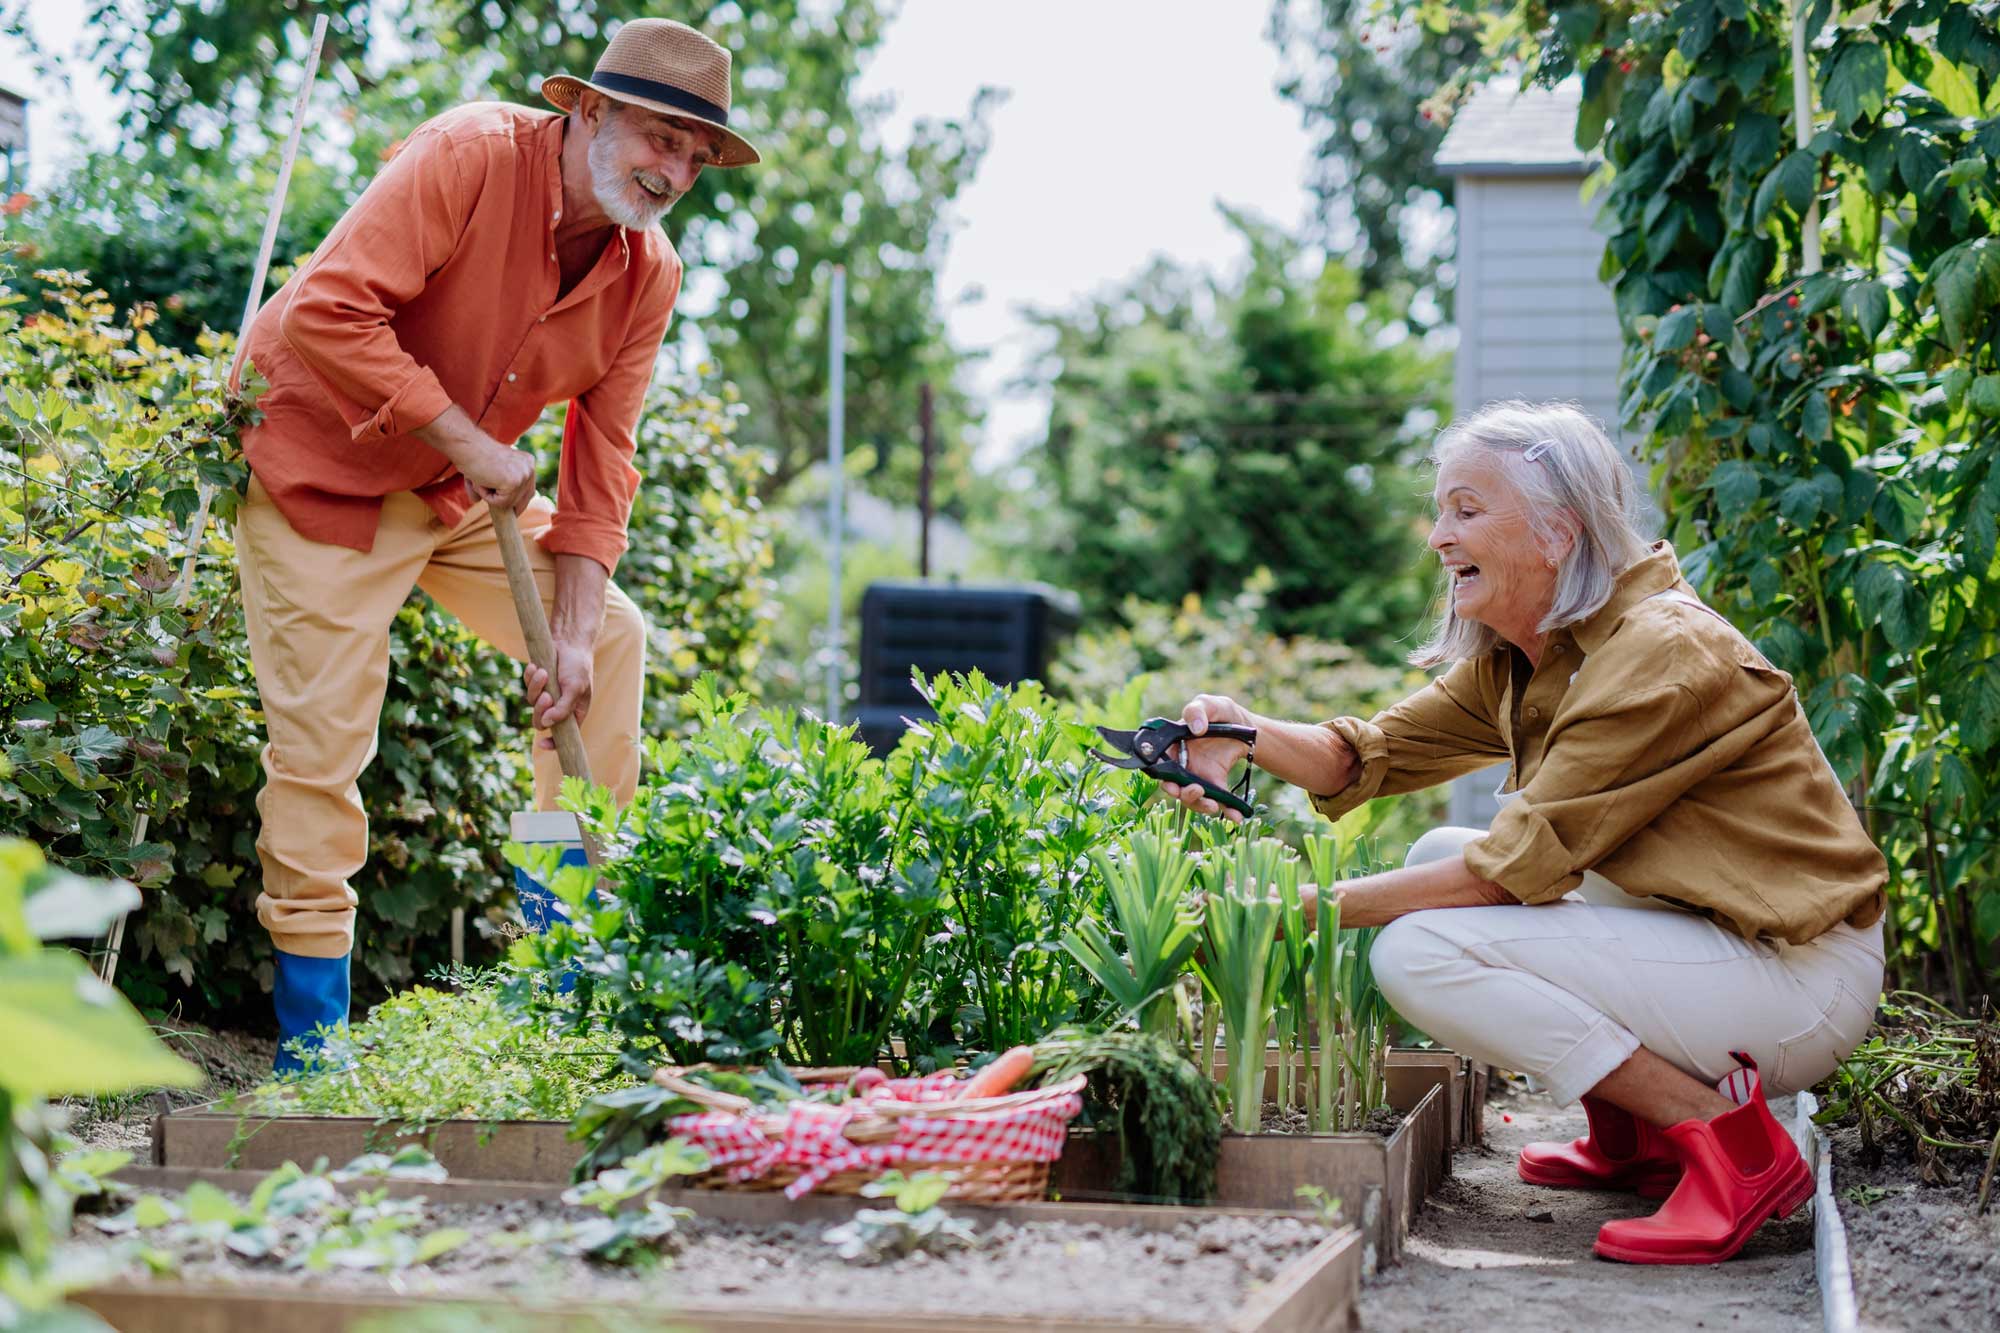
<point>504,260</point>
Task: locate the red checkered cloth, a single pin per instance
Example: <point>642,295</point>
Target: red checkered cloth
<point>812,1139</point>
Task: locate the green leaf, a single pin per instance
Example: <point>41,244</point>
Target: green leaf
<point>1736,486</point>
<point>1799,502</point>
<point>1816,417</point>
<point>1977,692</point>
<point>67,907</point>
<point>1887,594</point>
<point>1955,281</point>
<point>205,1203</point>
<point>68,1034</point>
<point>1798,178</point>
<point>439,1242</point>
<point>152,1211</point>
<point>1984,395</point>
<point>1855,79</point>
<point>1947,83</point>
<point>1955,383</point>
<point>1866,304</point>
<point>1986,917</point>
<point>1677,329</point>
<point>1755,139</point>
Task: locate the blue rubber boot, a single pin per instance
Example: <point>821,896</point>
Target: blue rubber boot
<point>310,993</point>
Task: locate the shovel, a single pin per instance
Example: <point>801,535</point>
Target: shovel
<point>541,651</point>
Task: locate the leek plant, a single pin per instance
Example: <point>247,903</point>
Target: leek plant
<point>1240,967</point>
<point>1349,1009</point>
<point>1147,899</point>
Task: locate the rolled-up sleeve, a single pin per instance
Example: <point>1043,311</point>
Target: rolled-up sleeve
<point>1443,731</point>
<point>1610,770</point>
<point>595,479</point>
<point>402,229</point>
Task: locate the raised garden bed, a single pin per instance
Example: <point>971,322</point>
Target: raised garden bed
<point>1178,1267</point>
<point>1381,1180</point>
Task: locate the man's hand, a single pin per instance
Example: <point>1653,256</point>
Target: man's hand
<point>567,696</point>
<point>493,472</point>
<point>499,475</point>
<point>1210,760</point>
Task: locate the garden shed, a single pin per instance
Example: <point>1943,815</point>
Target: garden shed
<point>13,138</point>
<point>1534,321</point>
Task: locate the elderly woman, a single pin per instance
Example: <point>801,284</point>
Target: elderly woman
<point>1675,898</point>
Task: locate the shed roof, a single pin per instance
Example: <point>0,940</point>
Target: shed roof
<point>1507,130</point>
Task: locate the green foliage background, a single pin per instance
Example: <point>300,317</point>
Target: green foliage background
<point>1186,451</point>
<point>1828,443</point>
<point>118,705</point>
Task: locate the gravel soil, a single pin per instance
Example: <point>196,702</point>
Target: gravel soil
<point>1922,1258</point>
<point>1489,1252</point>
<point>230,1062</point>
<point>1200,1272</point>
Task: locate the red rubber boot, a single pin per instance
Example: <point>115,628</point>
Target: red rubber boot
<point>1741,1169</point>
<point>1621,1152</point>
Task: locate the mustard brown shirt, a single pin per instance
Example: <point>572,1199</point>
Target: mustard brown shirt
<point>1654,745</point>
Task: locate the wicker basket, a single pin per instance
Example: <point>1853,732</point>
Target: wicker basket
<point>875,1121</point>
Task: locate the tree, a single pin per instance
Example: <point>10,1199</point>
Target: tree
<point>1361,75</point>
<point>205,84</point>
<point>1188,447</point>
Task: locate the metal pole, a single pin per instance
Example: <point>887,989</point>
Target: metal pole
<point>1802,125</point>
<point>836,467</point>
<point>925,414</point>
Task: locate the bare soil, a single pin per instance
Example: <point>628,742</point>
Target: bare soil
<point>230,1062</point>
<point>1199,1272</point>
<point>1490,1252</point>
<point>1922,1257</point>
<point>1293,1120</point>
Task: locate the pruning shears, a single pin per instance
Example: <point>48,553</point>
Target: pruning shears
<point>1158,748</point>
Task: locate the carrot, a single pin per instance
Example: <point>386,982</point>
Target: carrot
<point>1000,1076</point>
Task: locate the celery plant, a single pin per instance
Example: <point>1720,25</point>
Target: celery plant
<point>1147,901</point>
<point>1242,969</point>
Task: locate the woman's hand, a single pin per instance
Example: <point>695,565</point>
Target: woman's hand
<point>1210,759</point>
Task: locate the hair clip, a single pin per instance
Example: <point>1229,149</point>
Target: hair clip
<point>1534,451</point>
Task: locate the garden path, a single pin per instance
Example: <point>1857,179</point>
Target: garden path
<point>1489,1252</point>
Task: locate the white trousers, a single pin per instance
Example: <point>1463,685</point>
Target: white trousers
<point>1567,991</point>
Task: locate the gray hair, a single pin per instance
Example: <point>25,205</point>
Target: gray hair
<point>1574,482</point>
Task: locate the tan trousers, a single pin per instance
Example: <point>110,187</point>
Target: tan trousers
<point>319,619</point>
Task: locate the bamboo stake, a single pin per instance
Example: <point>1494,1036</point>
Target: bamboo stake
<point>197,525</point>
<point>1802,129</point>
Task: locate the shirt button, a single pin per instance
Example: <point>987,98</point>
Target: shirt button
<point>542,319</point>
<point>556,216</point>
<point>510,377</point>
<point>1532,711</point>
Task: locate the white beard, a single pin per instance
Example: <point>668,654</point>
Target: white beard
<point>615,188</point>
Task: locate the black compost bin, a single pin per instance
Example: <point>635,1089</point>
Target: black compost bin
<point>1008,633</point>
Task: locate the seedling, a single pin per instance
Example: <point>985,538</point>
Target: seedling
<point>915,1224</point>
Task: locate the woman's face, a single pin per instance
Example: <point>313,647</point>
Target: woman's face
<point>1500,574</point>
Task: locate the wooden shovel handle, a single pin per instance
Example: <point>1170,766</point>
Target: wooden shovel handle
<point>535,629</point>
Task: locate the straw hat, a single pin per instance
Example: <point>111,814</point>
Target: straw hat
<point>666,67</point>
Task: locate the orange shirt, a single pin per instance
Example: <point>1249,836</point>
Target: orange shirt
<point>439,286</point>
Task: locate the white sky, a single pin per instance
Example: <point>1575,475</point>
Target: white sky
<point>1127,121</point>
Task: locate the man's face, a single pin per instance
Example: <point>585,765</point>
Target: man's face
<point>642,162</point>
